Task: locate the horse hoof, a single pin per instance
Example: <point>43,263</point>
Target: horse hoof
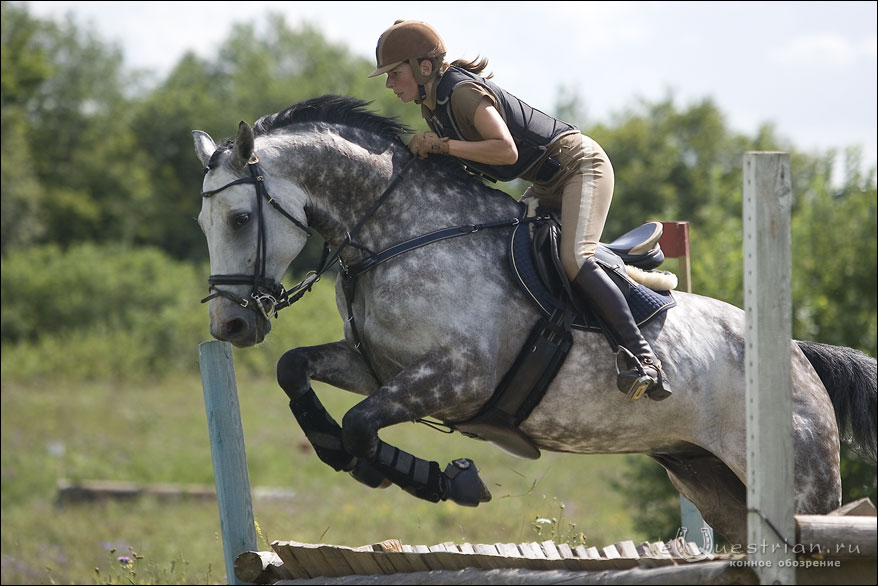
<point>463,484</point>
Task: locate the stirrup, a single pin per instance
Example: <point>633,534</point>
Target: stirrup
<point>635,387</point>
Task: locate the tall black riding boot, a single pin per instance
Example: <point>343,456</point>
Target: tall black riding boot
<point>640,371</point>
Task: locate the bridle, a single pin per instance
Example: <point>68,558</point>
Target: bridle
<point>267,296</point>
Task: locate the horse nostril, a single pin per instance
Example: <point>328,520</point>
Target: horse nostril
<point>236,327</point>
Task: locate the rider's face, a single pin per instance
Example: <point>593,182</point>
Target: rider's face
<point>402,82</point>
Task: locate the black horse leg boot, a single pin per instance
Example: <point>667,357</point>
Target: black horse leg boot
<point>640,371</point>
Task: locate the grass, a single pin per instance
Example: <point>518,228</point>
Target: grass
<point>156,432</point>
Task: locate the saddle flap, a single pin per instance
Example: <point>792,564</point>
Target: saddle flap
<point>502,432</point>
<point>537,271</point>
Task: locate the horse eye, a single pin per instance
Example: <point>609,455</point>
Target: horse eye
<point>240,220</point>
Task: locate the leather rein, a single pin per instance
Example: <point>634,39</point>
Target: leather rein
<point>267,296</point>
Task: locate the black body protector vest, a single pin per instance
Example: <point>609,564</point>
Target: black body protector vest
<point>532,130</point>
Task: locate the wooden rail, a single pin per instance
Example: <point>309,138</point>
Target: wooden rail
<point>836,548</point>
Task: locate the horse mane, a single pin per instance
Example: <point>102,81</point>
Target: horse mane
<point>332,109</point>
<point>351,113</point>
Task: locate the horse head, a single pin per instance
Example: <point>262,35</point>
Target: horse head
<point>245,269</point>
<point>326,164</point>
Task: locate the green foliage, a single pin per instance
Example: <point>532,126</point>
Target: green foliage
<point>116,311</point>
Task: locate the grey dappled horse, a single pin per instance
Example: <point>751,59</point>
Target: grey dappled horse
<point>441,324</point>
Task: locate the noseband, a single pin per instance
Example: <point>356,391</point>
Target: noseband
<point>266,294</point>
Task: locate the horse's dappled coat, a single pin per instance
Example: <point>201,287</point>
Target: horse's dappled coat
<point>443,323</point>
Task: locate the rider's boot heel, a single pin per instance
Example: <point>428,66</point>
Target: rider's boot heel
<point>661,390</point>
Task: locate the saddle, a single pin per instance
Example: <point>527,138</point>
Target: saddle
<point>535,261</point>
<point>536,264</point>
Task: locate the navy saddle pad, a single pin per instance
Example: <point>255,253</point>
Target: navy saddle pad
<point>645,303</point>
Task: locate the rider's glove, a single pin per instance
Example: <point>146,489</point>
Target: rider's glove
<point>427,144</point>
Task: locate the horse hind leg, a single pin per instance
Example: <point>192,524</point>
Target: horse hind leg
<point>714,489</point>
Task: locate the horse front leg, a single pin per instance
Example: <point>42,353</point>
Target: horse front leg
<point>340,366</point>
<point>425,388</point>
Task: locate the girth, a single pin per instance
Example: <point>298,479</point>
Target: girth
<point>536,265</point>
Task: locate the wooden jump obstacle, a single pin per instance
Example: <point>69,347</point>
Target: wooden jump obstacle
<point>674,562</point>
<point>845,542</point>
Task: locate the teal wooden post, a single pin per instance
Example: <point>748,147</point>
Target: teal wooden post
<point>227,451</point>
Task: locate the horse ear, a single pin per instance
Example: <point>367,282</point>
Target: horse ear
<point>204,146</point>
<point>243,146</point>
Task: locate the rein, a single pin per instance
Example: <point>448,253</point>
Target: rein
<point>270,296</point>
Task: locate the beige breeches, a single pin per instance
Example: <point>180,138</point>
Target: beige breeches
<point>582,189</point>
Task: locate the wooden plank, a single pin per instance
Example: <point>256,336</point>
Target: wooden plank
<point>616,560</point>
<point>508,550</point>
<point>336,560</point>
<point>383,562</point>
<point>260,567</point>
<point>511,555</point>
<point>487,556</point>
<point>838,536</point>
<point>538,554</point>
<point>627,549</point>
<point>362,562</point>
<point>767,201</point>
<point>531,561</point>
<point>643,550</point>
<point>660,550</point>
<point>312,560</point>
<point>551,550</point>
<point>862,508</point>
<point>403,562</point>
<point>569,559</point>
<point>227,452</point>
<point>387,545</point>
<point>610,553</point>
<point>414,560</point>
<point>707,573</point>
<point>446,557</point>
<point>422,552</point>
<point>286,552</point>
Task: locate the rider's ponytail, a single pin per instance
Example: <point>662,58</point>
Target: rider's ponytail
<point>476,66</point>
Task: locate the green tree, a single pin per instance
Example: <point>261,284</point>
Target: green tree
<point>686,165</point>
<point>258,70</point>
<point>63,103</point>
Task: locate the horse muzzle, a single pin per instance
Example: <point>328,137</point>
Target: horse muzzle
<point>240,326</point>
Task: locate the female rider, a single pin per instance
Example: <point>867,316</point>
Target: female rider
<point>494,133</point>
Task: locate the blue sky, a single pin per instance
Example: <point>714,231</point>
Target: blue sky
<point>807,67</point>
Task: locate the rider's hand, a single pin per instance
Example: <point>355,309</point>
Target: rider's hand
<point>428,143</point>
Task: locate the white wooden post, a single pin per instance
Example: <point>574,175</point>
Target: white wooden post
<point>227,451</point>
<point>767,200</point>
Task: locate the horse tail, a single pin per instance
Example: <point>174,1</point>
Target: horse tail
<point>850,379</point>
